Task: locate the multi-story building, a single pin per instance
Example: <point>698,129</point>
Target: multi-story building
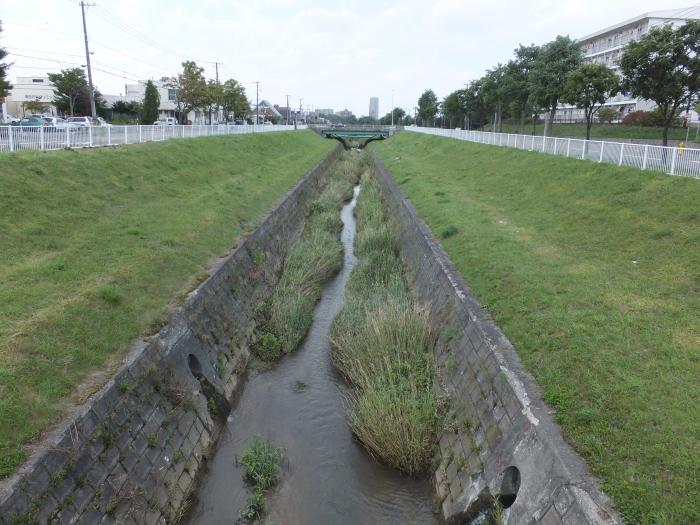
<point>607,45</point>
<point>30,89</point>
<point>374,107</point>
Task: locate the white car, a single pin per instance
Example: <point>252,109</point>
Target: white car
<point>86,122</point>
<point>166,121</point>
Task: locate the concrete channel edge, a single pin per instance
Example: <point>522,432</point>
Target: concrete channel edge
<point>501,442</point>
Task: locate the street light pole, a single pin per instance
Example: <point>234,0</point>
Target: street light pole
<point>257,104</point>
<point>288,108</point>
<point>87,58</point>
<point>392,108</point>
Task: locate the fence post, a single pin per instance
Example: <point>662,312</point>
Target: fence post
<point>622,152</point>
<point>126,135</point>
<point>646,153</point>
<point>90,134</point>
<point>584,149</point>
<point>67,137</point>
<point>555,145</point>
<point>673,161</point>
<point>544,143</point>
<point>568,147</point>
<point>140,135</point>
<point>602,146</point>
<point>41,137</point>
<point>109,135</point>
<point>12,142</point>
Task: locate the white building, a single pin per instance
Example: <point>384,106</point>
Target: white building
<point>374,107</point>
<point>607,45</point>
<point>29,89</point>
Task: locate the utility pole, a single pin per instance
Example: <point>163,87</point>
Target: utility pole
<point>257,103</point>
<point>300,101</point>
<point>216,65</point>
<point>288,108</point>
<point>83,5</point>
<point>392,108</point>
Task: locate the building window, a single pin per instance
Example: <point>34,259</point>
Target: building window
<point>172,94</point>
<point>37,80</point>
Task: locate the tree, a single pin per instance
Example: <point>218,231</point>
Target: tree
<point>548,73</point>
<point>664,66</point>
<point>234,100</point>
<point>212,97</point>
<point>150,105</point>
<point>68,85</point>
<point>5,85</point>
<point>34,106</point>
<point>494,89</point>
<point>587,87</point>
<point>193,86</point>
<point>607,115</point>
<point>454,107</point>
<point>516,82</point>
<point>367,121</point>
<point>427,107</point>
<point>398,115</point>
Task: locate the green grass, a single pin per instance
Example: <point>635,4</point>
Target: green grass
<point>593,272</point>
<point>94,244</point>
<point>382,344</point>
<point>601,131</point>
<point>285,317</point>
<point>262,462</point>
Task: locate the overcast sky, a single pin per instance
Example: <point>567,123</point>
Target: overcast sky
<point>331,54</point>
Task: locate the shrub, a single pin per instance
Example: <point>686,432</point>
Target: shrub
<point>607,115</point>
<point>268,347</point>
<point>638,118</point>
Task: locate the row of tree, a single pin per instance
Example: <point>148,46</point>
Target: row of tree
<point>662,66</point>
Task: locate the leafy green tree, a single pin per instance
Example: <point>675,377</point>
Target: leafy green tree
<point>34,106</point>
<point>495,92</point>
<point>607,115</point>
<point>474,106</point>
<point>454,107</point>
<point>516,82</point>
<point>173,83</point>
<point>399,114</point>
<point>150,105</point>
<point>408,120</point>
<point>664,66</point>
<point>193,86</point>
<point>548,73</point>
<point>5,85</point>
<point>213,94</point>
<point>367,121</point>
<point>428,107</point>
<point>587,87</point>
<point>69,85</point>
<point>234,100</point>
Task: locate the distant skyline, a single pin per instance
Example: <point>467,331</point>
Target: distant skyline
<point>330,54</point>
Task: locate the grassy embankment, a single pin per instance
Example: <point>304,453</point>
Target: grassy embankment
<point>601,131</point>
<point>593,273</point>
<point>286,316</point>
<point>381,342</point>
<point>94,244</point>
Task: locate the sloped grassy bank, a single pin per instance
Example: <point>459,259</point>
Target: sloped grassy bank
<point>382,343</point>
<point>285,317</point>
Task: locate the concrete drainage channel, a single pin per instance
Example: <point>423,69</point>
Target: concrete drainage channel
<point>134,453</point>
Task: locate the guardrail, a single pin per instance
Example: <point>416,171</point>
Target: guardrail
<point>19,138</point>
<point>683,162</point>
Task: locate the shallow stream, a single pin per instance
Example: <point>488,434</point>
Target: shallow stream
<point>300,405</point>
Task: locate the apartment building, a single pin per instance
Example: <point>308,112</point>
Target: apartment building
<point>607,45</point>
<point>29,89</point>
<point>374,107</point>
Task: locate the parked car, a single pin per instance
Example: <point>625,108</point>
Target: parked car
<point>86,122</point>
<point>54,123</point>
<point>166,121</point>
<point>30,122</point>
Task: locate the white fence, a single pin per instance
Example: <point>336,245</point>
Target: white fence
<point>673,161</point>
<point>16,138</point>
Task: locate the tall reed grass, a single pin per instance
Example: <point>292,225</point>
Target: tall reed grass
<point>382,344</point>
<point>285,317</point>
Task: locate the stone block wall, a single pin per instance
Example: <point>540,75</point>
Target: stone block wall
<point>132,453</point>
<point>500,443</point>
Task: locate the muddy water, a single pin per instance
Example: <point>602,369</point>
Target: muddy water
<point>327,477</point>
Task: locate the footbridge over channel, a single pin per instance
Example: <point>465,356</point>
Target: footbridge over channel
<point>359,135</point>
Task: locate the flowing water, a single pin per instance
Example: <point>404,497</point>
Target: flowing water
<point>327,478</point>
